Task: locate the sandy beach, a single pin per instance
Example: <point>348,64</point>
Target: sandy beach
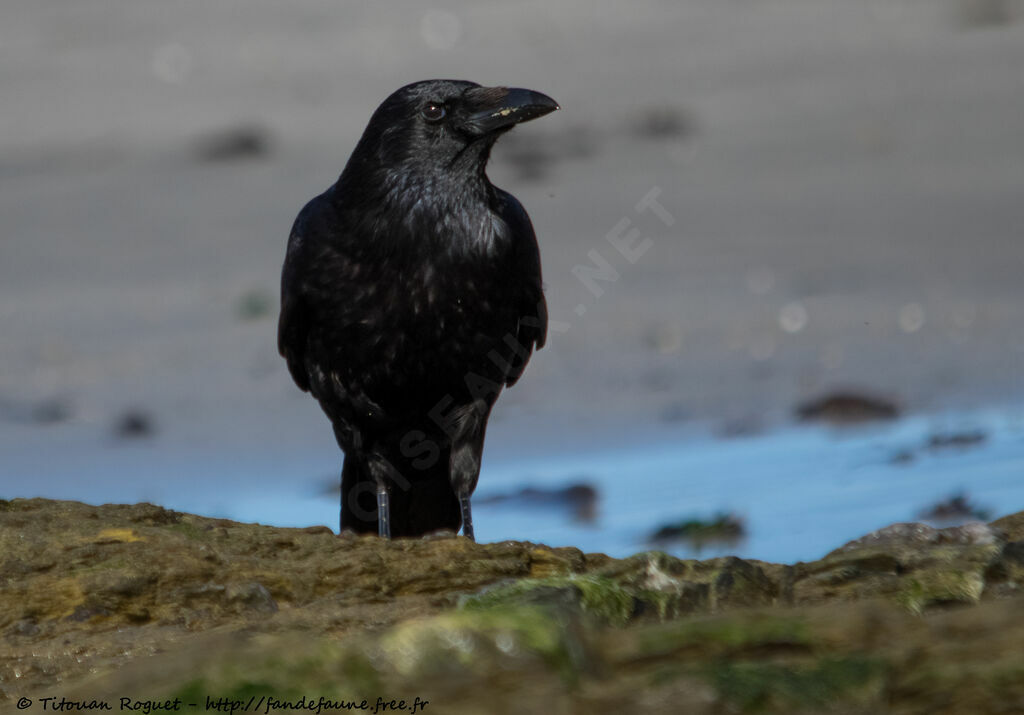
<point>838,187</point>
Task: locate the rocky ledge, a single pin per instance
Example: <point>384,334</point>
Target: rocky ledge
<point>141,608</point>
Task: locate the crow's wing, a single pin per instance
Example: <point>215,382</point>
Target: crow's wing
<point>294,323</point>
<point>532,328</point>
<point>292,332</point>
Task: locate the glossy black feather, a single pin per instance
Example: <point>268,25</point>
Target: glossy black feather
<point>411,294</point>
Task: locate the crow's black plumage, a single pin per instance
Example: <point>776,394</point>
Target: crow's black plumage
<point>410,296</point>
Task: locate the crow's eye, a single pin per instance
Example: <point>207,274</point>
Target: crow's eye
<point>433,112</point>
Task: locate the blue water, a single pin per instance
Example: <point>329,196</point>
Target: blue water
<point>802,491</point>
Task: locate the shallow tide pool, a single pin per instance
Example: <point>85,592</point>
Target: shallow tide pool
<point>801,490</point>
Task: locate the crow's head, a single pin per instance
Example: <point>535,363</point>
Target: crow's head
<point>444,125</point>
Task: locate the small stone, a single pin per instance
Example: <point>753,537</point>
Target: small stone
<point>233,144</point>
<point>134,424</point>
<point>252,595</point>
<point>319,529</point>
<point>847,408</point>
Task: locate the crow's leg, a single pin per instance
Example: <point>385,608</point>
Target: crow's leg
<point>467,452</point>
<point>383,512</point>
<point>467,516</point>
<point>345,489</point>
<point>385,478</point>
<point>380,470</point>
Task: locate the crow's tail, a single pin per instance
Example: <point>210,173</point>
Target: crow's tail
<point>421,499</point>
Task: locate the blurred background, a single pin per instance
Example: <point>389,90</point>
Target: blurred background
<point>822,333</point>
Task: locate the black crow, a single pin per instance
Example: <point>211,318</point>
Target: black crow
<point>410,296</point>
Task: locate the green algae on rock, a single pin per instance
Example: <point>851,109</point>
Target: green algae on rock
<point>596,596</point>
<point>97,599</point>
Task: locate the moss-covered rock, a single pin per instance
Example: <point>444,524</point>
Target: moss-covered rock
<point>915,565</point>
<point>598,597</point>
<point>95,601</point>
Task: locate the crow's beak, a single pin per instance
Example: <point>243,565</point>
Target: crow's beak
<point>499,108</point>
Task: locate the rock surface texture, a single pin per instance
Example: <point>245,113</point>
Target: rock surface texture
<point>104,603</point>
